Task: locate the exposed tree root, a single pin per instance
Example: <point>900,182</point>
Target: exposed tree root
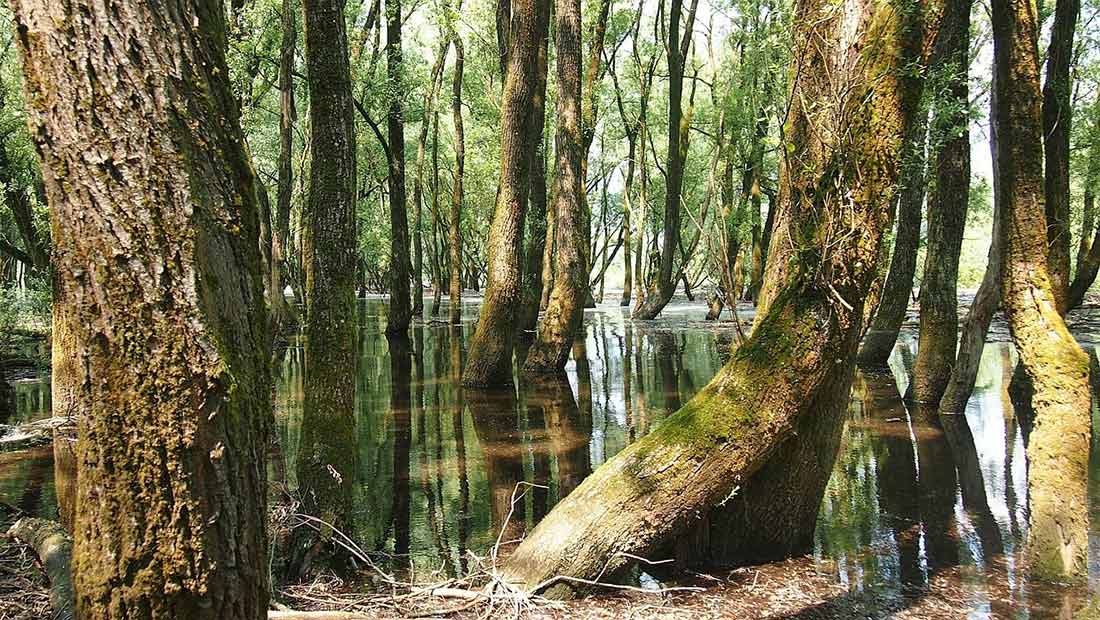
<point>54,548</point>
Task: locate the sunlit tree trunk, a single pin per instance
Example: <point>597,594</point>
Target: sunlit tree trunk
<point>939,321</point>
<point>566,308</point>
<point>489,361</point>
<point>1057,112</point>
<point>1058,450</point>
<point>154,211</point>
<point>841,176</point>
<point>454,235</point>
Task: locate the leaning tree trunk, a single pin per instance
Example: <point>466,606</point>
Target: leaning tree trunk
<point>454,234</point>
<point>400,311</point>
<point>811,316</point>
<point>1088,258</point>
<point>566,308</point>
<point>154,211</point>
<point>329,252</point>
<point>939,318</point>
<point>1057,112</point>
<point>489,361</point>
<point>1058,450</point>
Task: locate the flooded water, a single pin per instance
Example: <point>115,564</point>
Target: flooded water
<point>440,474</point>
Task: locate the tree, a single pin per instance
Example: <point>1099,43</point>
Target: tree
<point>1057,113</point>
<point>400,312</point>
<point>838,175</point>
<point>490,351</point>
<point>656,300</point>
<point>158,243</point>
<point>329,252</point>
<point>280,239</point>
<point>566,308</point>
<point>454,235</point>
<point>537,220</point>
<point>1058,450</point>
<point>947,205</point>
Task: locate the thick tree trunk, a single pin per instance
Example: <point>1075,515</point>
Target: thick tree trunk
<point>566,308</point>
<point>282,313</point>
<point>1057,111</point>
<point>787,369</point>
<point>329,251</point>
<point>400,310</point>
<point>159,253</point>
<point>939,320</point>
<point>489,361</point>
<point>454,235</point>
<point>1058,451</point>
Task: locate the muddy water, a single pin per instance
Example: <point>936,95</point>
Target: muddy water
<point>442,473</point>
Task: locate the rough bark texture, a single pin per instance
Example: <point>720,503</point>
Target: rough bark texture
<point>155,219</point>
<point>454,235</point>
<point>400,310</point>
<point>566,308</point>
<point>329,252</point>
<point>1057,109</point>
<point>1058,450</point>
<point>489,361</point>
<point>947,205</point>
<point>837,178</point>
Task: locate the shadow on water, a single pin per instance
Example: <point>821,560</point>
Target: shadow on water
<point>432,475</point>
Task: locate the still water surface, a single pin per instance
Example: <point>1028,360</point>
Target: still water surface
<point>914,502</point>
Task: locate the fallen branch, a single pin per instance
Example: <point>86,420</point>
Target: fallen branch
<point>30,435</point>
<point>54,549</point>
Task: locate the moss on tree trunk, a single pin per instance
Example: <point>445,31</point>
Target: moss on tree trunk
<point>155,216</point>
<point>1058,369</point>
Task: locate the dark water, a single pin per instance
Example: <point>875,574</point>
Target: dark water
<point>914,502</point>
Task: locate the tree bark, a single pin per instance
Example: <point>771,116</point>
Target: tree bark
<point>1058,450</point>
<point>400,311</point>
<point>566,308</point>
<point>330,256</point>
<point>457,192</point>
<point>787,370</point>
<point>282,313</point>
<point>156,223</point>
<point>418,181</point>
<point>489,361</point>
<point>1057,111</point>
<point>939,320</point>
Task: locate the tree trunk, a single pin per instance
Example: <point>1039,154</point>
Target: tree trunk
<point>281,311</point>
<point>329,251</point>
<point>786,371</point>
<point>418,182</point>
<point>400,311</point>
<point>160,256</point>
<point>489,361</point>
<point>1088,256</point>
<point>437,252</point>
<point>1058,450</point>
<point>566,308</point>
<point>1057,111</point>
<point>457,195</point>
<point>537,199</point>
<point>939,320</point>
<point>677,152</point>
